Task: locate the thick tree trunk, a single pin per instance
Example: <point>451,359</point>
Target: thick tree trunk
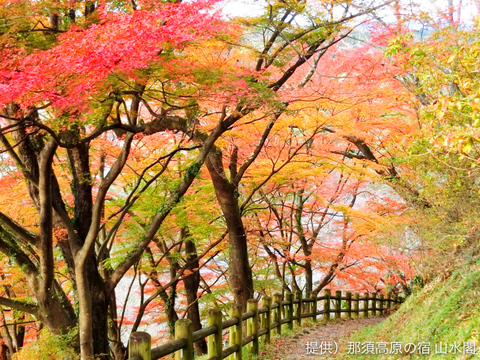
<point>82,188</point>
<point>54,309</point>
<point>240,273</point>
<point>82,191</point>
<point>93,313</point>
<point>99,314</point>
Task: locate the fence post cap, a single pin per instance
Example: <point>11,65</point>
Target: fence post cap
<point>236,310</point>
<point>140,336</point>
<point>213,311</point>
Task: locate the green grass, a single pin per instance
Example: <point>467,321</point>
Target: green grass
<point>445,311</point>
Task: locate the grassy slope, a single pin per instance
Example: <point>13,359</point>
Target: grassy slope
<point>446,311</point>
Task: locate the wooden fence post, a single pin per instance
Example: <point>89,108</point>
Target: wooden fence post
<point>349,304</point>
<point>140,344</point>
<point>278,298</point>
<point>326,304</point>
<point>298,308</point>
<point>313,305</point>
<point>382,307</point>
<point>389,301</point>
<point>289,312</point>
<point>374,304</point>
<point>215,345</point>
<point>252,326</point>
<point>338,304</point>
<point>236,331</point>
<point>365,305</point>
<point>267,302</point>
<point>356,305</point>
<point>184,330</point>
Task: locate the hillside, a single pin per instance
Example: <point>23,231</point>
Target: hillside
<point>444,316</point>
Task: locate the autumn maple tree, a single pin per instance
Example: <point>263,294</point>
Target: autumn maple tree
<point>66,87</point>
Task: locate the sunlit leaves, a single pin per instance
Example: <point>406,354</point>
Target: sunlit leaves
<point>89,63</point>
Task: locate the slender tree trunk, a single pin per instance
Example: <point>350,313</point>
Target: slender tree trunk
<point>85,328</point>
<point>192,283</point>
<point>300,200</point>
<point>118,350</point>
<point>7,349</point>
<point>308,276</point>
<point>19,338</point>
<point>169,301</point>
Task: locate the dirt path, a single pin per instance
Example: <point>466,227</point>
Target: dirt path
<point>314,342</point>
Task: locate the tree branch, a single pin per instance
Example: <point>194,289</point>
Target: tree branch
<point>97,210</point>
<point>45,238</point>
<point>19,305</point>
<point>166,208</point>
<point>18,230</point>
<point>256,152</point>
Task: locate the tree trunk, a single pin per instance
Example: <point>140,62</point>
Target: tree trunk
<point>300,200</point>
<point>308,276</point>
<point>7,348</point>
<point>85,316</point>
<point>57,317</point>
<point>118,350</point>
<point>99,314</point>
<point>169,301</point>
<point>192,283</point>
<point>82,191</point>
<point>93,313</point>
<point>240,273</point>
<point>20,336</point>
<point>4,352</point>
<point>54,309</point>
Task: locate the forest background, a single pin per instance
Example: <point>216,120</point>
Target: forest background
<point>199,158</point>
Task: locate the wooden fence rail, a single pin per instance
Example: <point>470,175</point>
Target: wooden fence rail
<point>260,322</point>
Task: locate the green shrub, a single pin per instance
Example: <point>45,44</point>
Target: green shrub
<point>48,347</point>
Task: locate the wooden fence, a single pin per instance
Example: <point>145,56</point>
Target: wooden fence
<point>260,322</point>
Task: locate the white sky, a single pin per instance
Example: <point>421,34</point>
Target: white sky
<point>244,8</point>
